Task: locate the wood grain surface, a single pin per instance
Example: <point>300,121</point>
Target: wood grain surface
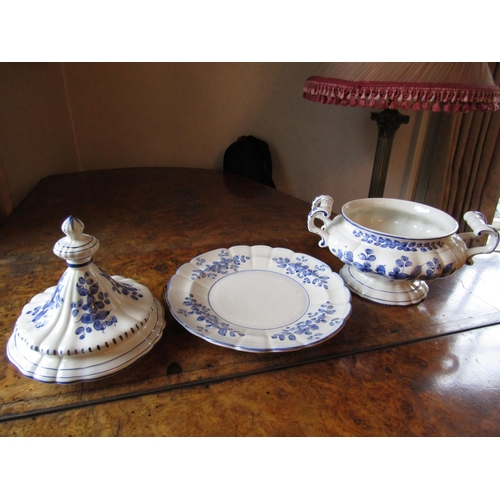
<point>152,220</point>
<point>448,386</point>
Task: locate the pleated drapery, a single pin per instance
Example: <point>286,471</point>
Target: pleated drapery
<point>464,164</point>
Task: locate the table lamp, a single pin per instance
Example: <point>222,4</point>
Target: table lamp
<point>436,86</point>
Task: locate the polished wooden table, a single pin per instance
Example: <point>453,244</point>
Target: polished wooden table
<point>427,370</point>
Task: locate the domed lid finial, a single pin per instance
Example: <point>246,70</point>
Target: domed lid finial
<point>77,248</point>
<point>72,227</point>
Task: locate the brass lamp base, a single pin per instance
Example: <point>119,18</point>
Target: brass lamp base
<point>388,122</point>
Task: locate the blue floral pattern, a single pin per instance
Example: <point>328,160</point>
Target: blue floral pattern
<point>210,322</point>
<point>402,269</point>
<point>206,318</point>
<point>302,271</point>
<point>40,313</point>
<point>222,266</point>
<point>310,326</point>
<point>404,246</point>
<point>94,315</point>
<point>92,310</point>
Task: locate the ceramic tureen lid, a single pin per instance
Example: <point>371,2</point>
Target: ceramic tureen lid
<point>90,325</point>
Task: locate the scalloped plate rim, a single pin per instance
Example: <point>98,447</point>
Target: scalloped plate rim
<point>274,252</point>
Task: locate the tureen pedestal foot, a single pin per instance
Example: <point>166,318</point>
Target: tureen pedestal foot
<point>382,290</point>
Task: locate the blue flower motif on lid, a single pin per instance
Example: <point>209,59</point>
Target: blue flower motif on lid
<point>40,313</point>
<point>92,306</point>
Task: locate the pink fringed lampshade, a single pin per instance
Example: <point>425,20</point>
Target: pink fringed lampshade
<point>436,86</point>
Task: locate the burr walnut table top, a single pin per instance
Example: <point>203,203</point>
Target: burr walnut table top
<point>429,369</point>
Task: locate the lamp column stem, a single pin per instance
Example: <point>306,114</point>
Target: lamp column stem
<point>388,122</point>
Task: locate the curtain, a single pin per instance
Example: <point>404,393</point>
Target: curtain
<point>5,196</point>
<point>463,164</point>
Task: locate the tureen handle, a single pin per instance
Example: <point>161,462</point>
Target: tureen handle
<point>478,223</point>
<point>321,209</point>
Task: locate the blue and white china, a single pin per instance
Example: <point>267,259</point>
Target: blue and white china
<point>91,325</point>
<point>259,299</point>
<point>391,247</point>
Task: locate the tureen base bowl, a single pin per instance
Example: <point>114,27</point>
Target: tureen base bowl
<point>391,248</point>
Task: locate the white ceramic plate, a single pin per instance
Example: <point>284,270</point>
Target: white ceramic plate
<point>259,299</point>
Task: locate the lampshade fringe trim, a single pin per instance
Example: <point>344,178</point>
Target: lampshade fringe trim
<point>396,95</point>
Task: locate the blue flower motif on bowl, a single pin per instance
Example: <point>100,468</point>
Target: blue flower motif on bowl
<point>405,246</point>
<point>403,268</point>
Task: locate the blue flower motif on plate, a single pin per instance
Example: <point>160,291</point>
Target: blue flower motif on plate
<point>303,271</point>
<point>226,264</point>
<point>206,318</point>
<point>310,327</point>
<point>218,267</point>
